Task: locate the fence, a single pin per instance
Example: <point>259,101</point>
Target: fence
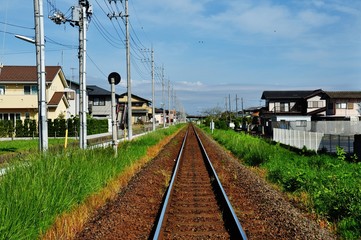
<point>344,128</point>
<point>298,139</point>
<point>313,140</point>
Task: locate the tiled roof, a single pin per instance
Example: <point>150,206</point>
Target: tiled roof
<point>26,73</point>
<point>55,100</point>
<point>344,94</point>
<point>94,90</point>
<point>292,94</point>
<point>135,97</point>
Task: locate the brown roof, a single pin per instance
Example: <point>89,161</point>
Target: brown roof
<point>26,73</point>
<point>55,100</point>
<point>344,94</point>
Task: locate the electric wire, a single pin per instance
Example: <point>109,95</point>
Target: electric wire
<point>97,67</point>
<point>105,34</point>
<point>14,25</point>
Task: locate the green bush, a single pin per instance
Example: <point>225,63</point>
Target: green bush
<point>333,184</point>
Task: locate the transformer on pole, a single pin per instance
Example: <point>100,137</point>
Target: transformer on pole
<point>80,16</point>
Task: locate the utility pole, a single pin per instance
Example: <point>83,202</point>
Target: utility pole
<point>172,105</point>
<point>242,107</point>
<point>83,24</point>
<point>230,109</point>
<point>169,123</point>
<point>129,82</point>
<point>40,65</point>
<point>237,105</point>
<point>153,93</point>
<point>80,16</point>
<point>163,100</point>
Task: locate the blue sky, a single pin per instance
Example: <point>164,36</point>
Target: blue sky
<point>209,49</point>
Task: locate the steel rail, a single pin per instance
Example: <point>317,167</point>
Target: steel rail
<point>231,219</point>
<point>169,190</point>
<point>233,225</point>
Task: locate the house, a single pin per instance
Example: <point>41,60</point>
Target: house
<point>296,109</point>
<point>19,92</point>
<point>73,96</point>
<point>285,104</point>
<point>297,106</point>
<point>100,102</point>
<point>343,105</point>
<point>141,108</point>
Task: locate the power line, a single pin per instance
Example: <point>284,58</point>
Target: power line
<point>97,67</point>
<point>14,25</point>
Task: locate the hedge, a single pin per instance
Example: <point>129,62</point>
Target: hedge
<point>56,127</point>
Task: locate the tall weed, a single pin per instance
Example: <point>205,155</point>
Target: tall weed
<point>33,193</point>
<point>332,184</point>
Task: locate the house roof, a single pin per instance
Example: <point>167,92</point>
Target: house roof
<point>135,96</point>
<point>71,82</point>
<point>26,73</point>
<point>55,99</point>
<point>94,90</point>
<point>291,94</point>
<point>343,94</point>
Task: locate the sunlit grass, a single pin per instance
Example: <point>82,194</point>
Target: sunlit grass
<point>34,193</point>
<point>16,146</point>
<point>326,185</point>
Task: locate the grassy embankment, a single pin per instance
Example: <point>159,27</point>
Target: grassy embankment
<point>34,195</point>
<point>328,186</point>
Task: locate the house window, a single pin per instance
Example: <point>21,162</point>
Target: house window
<point>30,89</point>
<point>70,95</point>
<point>349,105</point>
<point>315,104</point>
<point>2,90</point>
<point>341,105</point>
<point>27,115</point>
<point>99,101</point>
<point>10,116</point>
<point>282,107</point>
<point>137,104</point>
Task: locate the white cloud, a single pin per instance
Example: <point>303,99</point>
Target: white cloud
<point>315,19</point>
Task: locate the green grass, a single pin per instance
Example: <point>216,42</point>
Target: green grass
<point>332,184</point>
<point>16,146</point>
<point>34,192</point>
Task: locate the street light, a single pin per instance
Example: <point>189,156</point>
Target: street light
<point>40,66</point>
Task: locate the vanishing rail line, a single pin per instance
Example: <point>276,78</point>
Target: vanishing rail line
<point>195,205</point>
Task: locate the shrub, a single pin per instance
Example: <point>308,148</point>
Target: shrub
<point>333,186</point>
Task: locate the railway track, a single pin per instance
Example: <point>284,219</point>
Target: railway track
<point>195,205</point>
